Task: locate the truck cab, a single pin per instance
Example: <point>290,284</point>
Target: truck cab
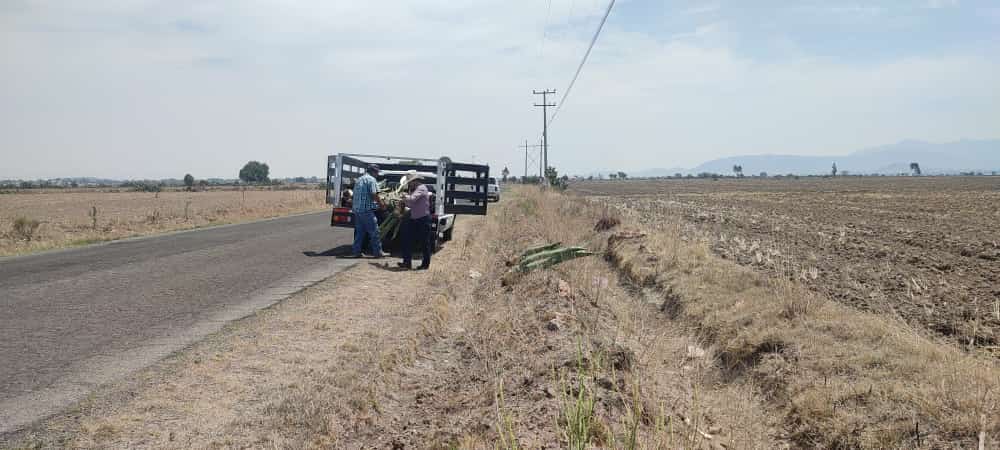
<point>457,188</point>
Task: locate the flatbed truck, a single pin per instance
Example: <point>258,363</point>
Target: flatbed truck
<point>457,188</point>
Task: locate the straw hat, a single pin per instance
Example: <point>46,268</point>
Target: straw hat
<point>410,176</point>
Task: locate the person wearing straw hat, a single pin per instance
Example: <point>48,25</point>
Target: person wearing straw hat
<point>417,225</point>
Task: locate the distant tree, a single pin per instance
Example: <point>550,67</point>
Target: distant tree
<point>202,183</point>
<point>834,169</point>
<point>763,174</point>
<point>591,177</point>
<point>505,174</point>
<point>613,176</point>
<point>25,185</point>
<point>552,176</point>
<point>189,181</point>
<point>678,175</point>
<point>915,168</point>
<point>143,186</point>
<point>622,175</point>
<point>255,172</point>
<point>738,170</point>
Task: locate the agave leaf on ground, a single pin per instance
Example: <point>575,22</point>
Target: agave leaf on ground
<point>540,248</point>
<point>548,256</point>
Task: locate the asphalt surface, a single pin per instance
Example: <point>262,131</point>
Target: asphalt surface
<point>70,320</point>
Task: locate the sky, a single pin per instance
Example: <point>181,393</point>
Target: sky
<point>157,89</point>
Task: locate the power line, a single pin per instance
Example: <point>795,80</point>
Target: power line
<point>579,68</point>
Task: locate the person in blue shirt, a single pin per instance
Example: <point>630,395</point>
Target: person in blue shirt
<point>364,205</point>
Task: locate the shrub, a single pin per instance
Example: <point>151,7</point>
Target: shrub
<point>25,228</point>
<point>140,186</point>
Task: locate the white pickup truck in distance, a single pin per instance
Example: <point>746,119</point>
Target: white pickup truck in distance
<point>457,188</point>
<point>493,190</point>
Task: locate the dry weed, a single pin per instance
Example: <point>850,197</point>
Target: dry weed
<point>62,219</point>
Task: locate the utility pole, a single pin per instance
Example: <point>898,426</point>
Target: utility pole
<point>525,159</point>
<point>541,168</point>
<point>545,127</point>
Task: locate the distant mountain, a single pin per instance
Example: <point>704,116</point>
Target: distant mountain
<point>946,158</point>
<point>772,164</point>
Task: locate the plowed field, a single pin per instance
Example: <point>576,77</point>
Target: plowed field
<point>926,250</point>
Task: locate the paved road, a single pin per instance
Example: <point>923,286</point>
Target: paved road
<point>73,319</point>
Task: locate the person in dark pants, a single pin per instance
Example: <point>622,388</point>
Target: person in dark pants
<point>365,204</point>
<point>417,226</point>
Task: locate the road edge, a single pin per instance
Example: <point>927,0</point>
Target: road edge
<point>21,412</point>
<point>72,248</point>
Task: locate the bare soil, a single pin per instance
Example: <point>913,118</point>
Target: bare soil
<point>926,249</point>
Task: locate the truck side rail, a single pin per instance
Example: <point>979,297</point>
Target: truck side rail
<point>468,183</point>
<point>350,169</point>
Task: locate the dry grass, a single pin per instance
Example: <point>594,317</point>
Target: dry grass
<point>622,374</point>
<point>75,218</point>
<point>842,378</point>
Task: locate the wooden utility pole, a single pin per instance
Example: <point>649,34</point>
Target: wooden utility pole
<point>545,127</point>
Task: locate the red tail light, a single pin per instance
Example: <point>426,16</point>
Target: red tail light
<point>341,216</point>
